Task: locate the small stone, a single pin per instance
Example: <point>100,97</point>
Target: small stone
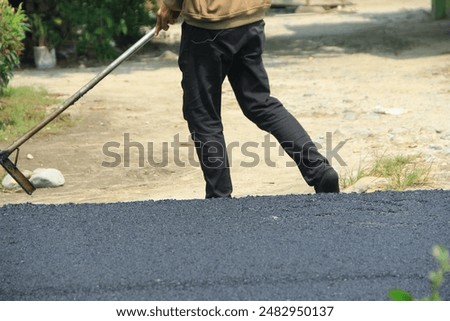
<point>395,111</point>
<point>389,111</point>
<point>435,147</point>
<point>445,137</point>
<point>373,115</point>
<point>29,156</point>
<point>350,116</point>
<point>9,183</point>
<point>47,177</point>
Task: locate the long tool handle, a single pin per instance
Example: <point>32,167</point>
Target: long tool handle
<point>80,93</point>
<point>10,167</point>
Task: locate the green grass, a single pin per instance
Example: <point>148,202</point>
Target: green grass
<point>351,178</point>
<point>400,171</point>
<point>21,108</point>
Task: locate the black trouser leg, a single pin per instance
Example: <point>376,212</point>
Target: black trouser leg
<point>203,74</point>
<point>250,83</point>
<point>206,58</point>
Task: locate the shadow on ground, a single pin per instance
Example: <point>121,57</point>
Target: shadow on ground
<point>403,35</point>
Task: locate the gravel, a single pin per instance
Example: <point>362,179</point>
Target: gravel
<point>298,247</point>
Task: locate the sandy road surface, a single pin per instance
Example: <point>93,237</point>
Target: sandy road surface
<point>373,78</point>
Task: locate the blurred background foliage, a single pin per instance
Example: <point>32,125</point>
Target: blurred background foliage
<point>13,27</point>
<point>77,29</point>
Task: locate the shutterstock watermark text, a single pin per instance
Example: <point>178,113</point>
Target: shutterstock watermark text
<point>182,153</point>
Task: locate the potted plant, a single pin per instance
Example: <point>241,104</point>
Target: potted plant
<point>44,54</point>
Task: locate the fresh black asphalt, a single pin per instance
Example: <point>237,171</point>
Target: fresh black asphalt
<point>302,247</point>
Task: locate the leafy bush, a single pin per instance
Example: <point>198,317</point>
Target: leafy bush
<point>12,31</point>
<point>98,27</point>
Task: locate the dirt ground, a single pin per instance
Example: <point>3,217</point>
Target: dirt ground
<point>372,78</point>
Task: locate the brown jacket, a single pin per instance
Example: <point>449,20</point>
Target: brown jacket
<point>220,14</point>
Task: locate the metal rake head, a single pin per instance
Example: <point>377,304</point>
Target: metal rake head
<point>15,173</point>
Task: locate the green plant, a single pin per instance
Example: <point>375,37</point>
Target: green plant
<point>400,171</point>
<point>435,277</point>
<point>99,27</point>
<point>13,25</point>
<point>40,30</point>
<point>350,178</point>
<point>45,30</point>
<point>21,108</point>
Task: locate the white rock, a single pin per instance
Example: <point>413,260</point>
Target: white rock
<point>27,173</point>
<point>374,115</point>
<point>47,177</point>
<point>29,156</point>
<point>435,147</point>
<point>350,116</point>
<point>389,111</point>
<point>395,111</point>
<point>9,183</point>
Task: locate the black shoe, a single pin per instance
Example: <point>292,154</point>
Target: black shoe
<point>329,182</point>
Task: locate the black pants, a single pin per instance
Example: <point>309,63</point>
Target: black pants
<point>206,58</point>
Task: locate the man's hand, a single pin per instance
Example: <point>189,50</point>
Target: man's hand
<point>164,17</point>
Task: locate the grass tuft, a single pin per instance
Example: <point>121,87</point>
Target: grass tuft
<point>400,171</point>
<point>352,177</point>
<point>21,108</point>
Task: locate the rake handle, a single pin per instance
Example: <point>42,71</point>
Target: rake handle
<point>10,167</point>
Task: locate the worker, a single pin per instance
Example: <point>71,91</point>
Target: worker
<point>225,39</point>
